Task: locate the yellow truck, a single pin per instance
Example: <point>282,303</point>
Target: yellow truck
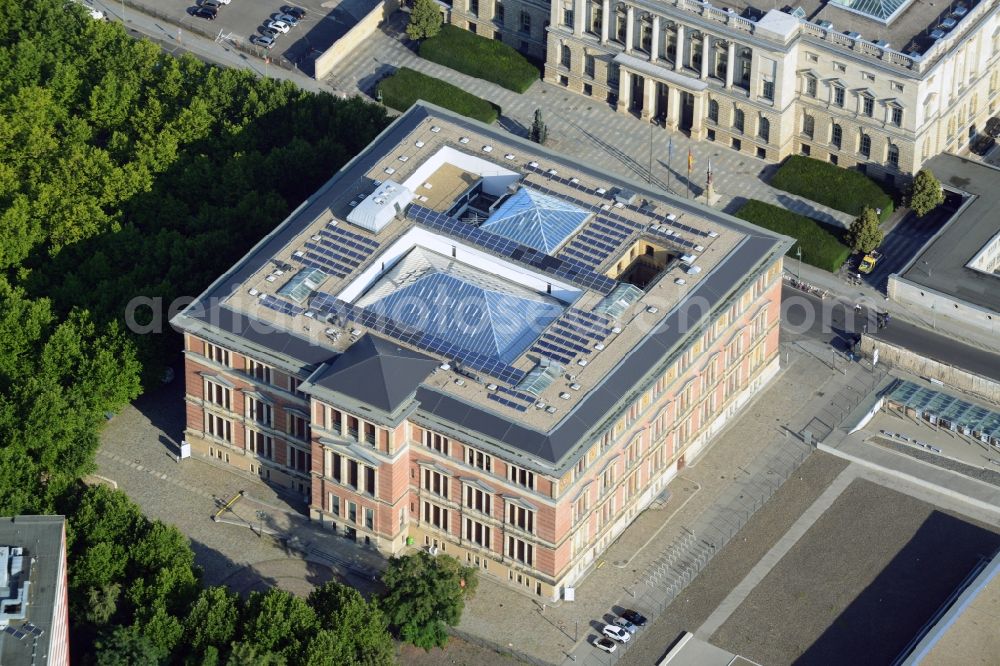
<point>867,264</point>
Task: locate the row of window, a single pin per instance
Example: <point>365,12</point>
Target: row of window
<point>439,483</point>
<point>866,100</point>
<point>478,533</point>
<point>351,473</point>
<point>258,443</point>
<point>259,372</point>
<point>257,409</point>
<point>351,514</point>
<point>475,458</point>
<point>499,15</point>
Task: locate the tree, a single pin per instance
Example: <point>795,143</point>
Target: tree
<point>127,647</point>
<point>279,622</point>
<point>423,594</point>
<point>539,131</point>
<point>925,193</point>
<point>425,20</point>
<point>213,620</point>
<point>359,631</point>
<point>864,233</point>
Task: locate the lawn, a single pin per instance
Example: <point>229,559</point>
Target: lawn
<point>483,58</point>
<point>846,190</point>
<point>822,245</point>
<point>401,89</point>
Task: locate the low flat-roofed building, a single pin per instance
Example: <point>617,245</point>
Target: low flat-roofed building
<point>956,276</point>
<point>508,368</point>
<point>34,604</point>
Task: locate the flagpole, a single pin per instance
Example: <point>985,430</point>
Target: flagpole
<point>670,160</point>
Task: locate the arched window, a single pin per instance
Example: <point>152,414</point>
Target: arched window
<point>764,128</point>
<point>837,136</point>
<point>738,120</point>
<point>808,125</point>
<point>646,34</point>
<point>866,145</point>
<point>894,155</point>
<point>713,110</point>
<point>565,56</point>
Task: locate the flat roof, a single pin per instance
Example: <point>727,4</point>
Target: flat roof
<point>41,538</point>
<point>942,264</point>
<point>693,651</point>
<point>597,359</point>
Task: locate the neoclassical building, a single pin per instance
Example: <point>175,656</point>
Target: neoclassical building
<point>882,83</point>
<point>466,343</point>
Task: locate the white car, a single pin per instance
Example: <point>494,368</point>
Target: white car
<point>606,644</point>
<point>617,633</point>
<point>279,26</point>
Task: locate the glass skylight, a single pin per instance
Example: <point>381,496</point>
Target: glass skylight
<point>302,284</point>
<point>537,220</point>
<point>479,312</point>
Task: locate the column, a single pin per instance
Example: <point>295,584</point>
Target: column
<point>648,98</point>
<point>673,107</point>
<point>654,49</point>
<point>629,28</point>
<point>730,64</point>
<point>706,43</point>
<point>624,90</point>
<point>697,114</point>
<point>679,55</point>
<point>605,20</point>
<point>579,16</point>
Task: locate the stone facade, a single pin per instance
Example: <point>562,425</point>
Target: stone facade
<point>781,86</point>
<point>521,24</point>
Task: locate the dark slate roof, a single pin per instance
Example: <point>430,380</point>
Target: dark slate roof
<point>376,372</point>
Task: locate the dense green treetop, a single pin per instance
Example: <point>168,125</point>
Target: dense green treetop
<point>925,193</point>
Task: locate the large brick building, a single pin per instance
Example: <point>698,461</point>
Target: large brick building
<point>882,83</point>
<point>466,343</point>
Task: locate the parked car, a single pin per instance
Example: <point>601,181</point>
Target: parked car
<point>626,625</point>
<point>269,32</point>
<point>292,10</point>
<point>279,26</point>
<point>617,633</point>
<point>638,619</point>
<point>267,41</point>
<point>205,13</point>
<point>285,18</point>
<point>212,4</point>
<point>606,644</point>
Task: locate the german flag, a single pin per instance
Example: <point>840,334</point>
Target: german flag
<point>690,160</point>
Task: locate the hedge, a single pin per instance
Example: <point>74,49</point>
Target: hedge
<point>846,190</point>
<point>823,246</point>
<point>483,58</point>
<point>401,89</point>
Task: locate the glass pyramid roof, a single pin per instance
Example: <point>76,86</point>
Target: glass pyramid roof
<point>880,10</point>
<point>435,295</point>
<point>537,220</point>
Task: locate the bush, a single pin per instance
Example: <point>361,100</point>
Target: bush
<point>843,189</point>
<point>482,58</point>
<point>406,86</point>
<point>822,245</point>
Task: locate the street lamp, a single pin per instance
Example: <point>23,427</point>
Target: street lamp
<point>798,253</point>
<point>261,516</point>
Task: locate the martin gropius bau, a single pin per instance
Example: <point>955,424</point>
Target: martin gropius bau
<point>468,344</point>
<point>883,83</point>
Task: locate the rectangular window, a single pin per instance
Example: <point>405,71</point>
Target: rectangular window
<point>259,411</point>
<point>811,86</point>
<point>369,437</point>
<point>520,517</point>
<point>608,478</point>
<point>298,427</point>
<point>352,512</point>
<point>259,371</point>
<point>299,460</point>
<point>768,91</point>
<point>217,394</point>
<point>896,86</point>
<point>581,507</point>
<point>897,116</point>
<point>370,480</point>
<point>217,354</point>
<point>520,551</point>
<point>521,476</point>
<point>478,500</point>
<point>353,476</point>
<point>568,18</point>
<point>589,65</point>
<point>840,67</point>
<point>838,96</point>
<point>437,442</point>
<point>868,105</point>
<point>867,76</point>
<point>526,23</point>
<point>260,444</point>
<point>478,459</point>
<point>498,10</point>
<point>219,427</point>
<point>436,516</point>
<point>477,533</point>
<point>336,467</point>
<point>370,519</point>
<point>436,482</point>
<point>334,504</point>
<point>293,386</point>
